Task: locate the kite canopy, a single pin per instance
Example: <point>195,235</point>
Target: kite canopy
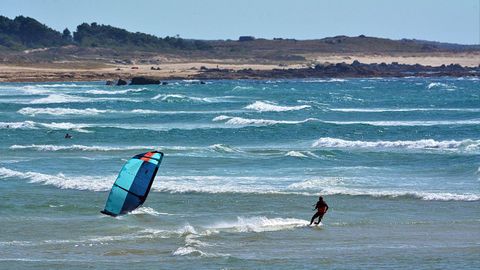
<point>133,183</point>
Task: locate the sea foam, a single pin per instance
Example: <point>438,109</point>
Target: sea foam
<point>260,224</point>
<point>95,183</point>
<point>60,111</point>
<point>115,92</point>
<point>409,123</point>
<point>466,145</point>
<point>78,147</point>
<point>219,184</point>
<point>262,106</point>
<point>239,121</point>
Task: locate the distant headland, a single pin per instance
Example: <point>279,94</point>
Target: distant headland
<point>32,51</point>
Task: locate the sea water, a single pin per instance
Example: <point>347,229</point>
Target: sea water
<point>396,159</point>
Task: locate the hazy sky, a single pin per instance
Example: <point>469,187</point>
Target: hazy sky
<point>455,21</point>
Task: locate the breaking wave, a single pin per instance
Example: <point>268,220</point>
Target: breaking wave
<point>374,110</point>
<point>94,183</point>
<point>440,85</point>
<point>172,98</point>
<point>465,145</point>
<point>61,111</point>
<point>77,147</point>
<point>64,98</point>
<point>239,121</point>
<point>426,196</point>
<point>60,98</point>
<point>36,125</point>
<point>219,184</point>
<point>260,224</point>
<point>115,92</point>
<point>272,107</point>
<point>301,154</point>
<point>409,123</point>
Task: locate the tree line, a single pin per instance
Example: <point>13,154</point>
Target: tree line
<point>27,33</point>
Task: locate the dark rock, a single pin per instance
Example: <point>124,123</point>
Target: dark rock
<point>164,83</point>
<point>143,80</point>
<point>109,82</point>
<point>121,82</point>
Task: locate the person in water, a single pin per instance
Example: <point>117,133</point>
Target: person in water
<point>322,207</point>
<point>68,136</point>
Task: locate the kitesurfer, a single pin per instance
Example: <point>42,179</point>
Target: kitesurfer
<point>68,136</point>
<point>322,207</point>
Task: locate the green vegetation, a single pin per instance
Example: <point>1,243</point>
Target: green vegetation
<point>27,33</point>
<point>95,35</point>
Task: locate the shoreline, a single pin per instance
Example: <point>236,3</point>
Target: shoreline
<point>217,70</point>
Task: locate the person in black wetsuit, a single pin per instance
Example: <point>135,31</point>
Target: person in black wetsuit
<point>322,208</point>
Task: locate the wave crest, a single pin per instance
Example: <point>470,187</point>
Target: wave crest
<point>466,145</point>
<point>115,92</point>
<point>261,106</point>
<point>239,121</point>
<point>260,224</point>
<point>60,111</point>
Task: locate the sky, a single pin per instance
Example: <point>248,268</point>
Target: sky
<point>455,21</point>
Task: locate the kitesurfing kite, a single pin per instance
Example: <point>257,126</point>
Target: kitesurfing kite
<point>133,183</point>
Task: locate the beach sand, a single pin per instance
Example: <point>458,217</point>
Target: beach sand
<point>176,68</point>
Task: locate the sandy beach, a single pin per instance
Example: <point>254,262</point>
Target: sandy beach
<point>181,68</point>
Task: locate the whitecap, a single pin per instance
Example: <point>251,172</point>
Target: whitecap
<point>440,85</point>
<point>374,110</point>
<point>60,111</point>
<point>260,224</point>
<point>95,183</point>
<point>409,123</point>
<point>60,98</point>
<point>183,98</point>
<point>257,122</point>
<point>466,145</point>
<point>261,106</point>
<point>115,92</point>
<point>78,147</point>
<point>145,211</point>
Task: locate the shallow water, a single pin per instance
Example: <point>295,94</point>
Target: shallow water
<point>398,161</point>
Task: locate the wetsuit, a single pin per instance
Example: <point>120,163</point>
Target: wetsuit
<point>322,208</point>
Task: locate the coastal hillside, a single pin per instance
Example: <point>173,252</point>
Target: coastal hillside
<point>26,40</point>
<point>27,33</point>
<point>95,35</point>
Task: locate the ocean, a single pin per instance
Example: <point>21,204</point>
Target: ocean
<point>396,159</point>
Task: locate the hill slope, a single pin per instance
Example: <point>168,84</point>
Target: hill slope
<point>27,33</point>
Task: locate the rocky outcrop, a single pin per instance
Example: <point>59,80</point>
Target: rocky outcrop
<point>121,82</point>
<point>339,70</point>
<point>143,80</point>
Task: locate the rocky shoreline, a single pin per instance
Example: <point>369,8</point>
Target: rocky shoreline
<point>342,70</point>
<point>339,70</point>
<point>126,75</point>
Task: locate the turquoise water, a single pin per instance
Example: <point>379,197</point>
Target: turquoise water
<point>397,160</point>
